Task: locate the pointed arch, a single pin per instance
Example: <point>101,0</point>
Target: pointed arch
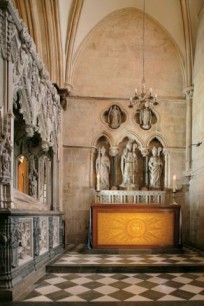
<point>98,44</point>
<point>106,135</point>
<point>131,135</point>
<point>159,137</point>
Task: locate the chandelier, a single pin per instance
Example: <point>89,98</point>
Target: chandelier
<point>142,99</point>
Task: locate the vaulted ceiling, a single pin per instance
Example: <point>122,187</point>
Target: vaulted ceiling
<point>60,27</point>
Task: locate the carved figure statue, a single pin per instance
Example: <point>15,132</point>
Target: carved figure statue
<point>103,168</point>
<point>24,241</point>
<point>129,165</point>
<point>5,152</point>
<point>155,168</point>
<point>114,117</point>
<point>43,235</point>
<point>146,117</point>
<point>33,179</point>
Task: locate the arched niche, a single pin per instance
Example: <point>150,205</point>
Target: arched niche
<point>133,165</point>
<point>102,165</point>
<point>45,179</point>
<point>22,173</point>
<point>156,165</point>
<point>34,160</point>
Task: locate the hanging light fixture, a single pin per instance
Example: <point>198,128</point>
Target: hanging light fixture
<point>143,100</point>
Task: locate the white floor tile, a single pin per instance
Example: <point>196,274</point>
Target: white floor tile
<point>40,298</point>
<point>197,297</point>
<point>163,289</point>
<point>47,289</point>
<point>135,289</point>
<point>183,280</point>
<point>72,298</point>
<point>105,298</point>
<point>77,290</point>
<point>170,298</point>
<point>81,280</point>
<point>137,298</point>
<point>55,280</point>
<point>191,288</point>
<point>107,280</point>
<point>106,289</point>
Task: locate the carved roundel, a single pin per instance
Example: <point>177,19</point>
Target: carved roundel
<point>136,228</point>
<point>145,117</point>
<point>114,116</point>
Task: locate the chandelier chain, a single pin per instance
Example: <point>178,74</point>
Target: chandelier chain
<point>142,100</point>
<point>143,44</point>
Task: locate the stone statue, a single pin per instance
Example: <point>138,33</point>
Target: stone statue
<point>146,117</point>
<point>43,243</point>
<point>5,152</point>
<point>25,240</point>
<point>155,168</point>
<point>33,179</point>
<point>129,165</point>
<point>114,117</point>
<point>103,169</point>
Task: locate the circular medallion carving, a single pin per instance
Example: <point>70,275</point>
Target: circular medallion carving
<point>136,228</point>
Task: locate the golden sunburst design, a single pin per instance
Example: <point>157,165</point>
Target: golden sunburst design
<point>148,228</point>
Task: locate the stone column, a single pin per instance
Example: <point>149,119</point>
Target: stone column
<point>189,99</point>
<point>145,153</point>
<point>166,169</point>
<point>92,170</point>
<point>55,185</point>
<point>7,31</point>
<point>113,151</point>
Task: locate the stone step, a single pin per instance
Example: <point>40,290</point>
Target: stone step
<point>124,269</point>
<point>79,259</point>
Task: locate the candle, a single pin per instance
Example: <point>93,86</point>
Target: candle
<point>98,182</point>
<point>174,183</point>
<point>135,90</point>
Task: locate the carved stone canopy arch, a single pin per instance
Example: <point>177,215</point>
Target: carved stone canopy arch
<point>103,141</point>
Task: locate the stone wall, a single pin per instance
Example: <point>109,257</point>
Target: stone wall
<point>196,193</point>
<point>84,125</point>
<point>27,242</point>
<point>31,225</point>
<point>107,68</point>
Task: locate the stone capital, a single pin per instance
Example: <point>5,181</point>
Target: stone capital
<point>165,151</point>
<point>144,152</point>
<point>188,174</point>
<point>189,92</point>
<point>113,151</point>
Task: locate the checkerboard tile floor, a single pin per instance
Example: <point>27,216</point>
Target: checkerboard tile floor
<point>190,257</point>
<point>76,287</point>
<point>117,287</point>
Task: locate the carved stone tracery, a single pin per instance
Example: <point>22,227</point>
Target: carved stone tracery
<point>37,96</point>
<point>34,97</point>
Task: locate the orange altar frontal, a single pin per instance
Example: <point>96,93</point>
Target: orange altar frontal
<point>135,226</point>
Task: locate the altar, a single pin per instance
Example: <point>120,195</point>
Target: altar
<point>134,203</point>
<point>136,226</point>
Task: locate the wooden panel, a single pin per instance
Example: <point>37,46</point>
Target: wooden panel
<point>135,225</point>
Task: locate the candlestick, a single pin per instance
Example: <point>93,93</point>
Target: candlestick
<point>174,183</point>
